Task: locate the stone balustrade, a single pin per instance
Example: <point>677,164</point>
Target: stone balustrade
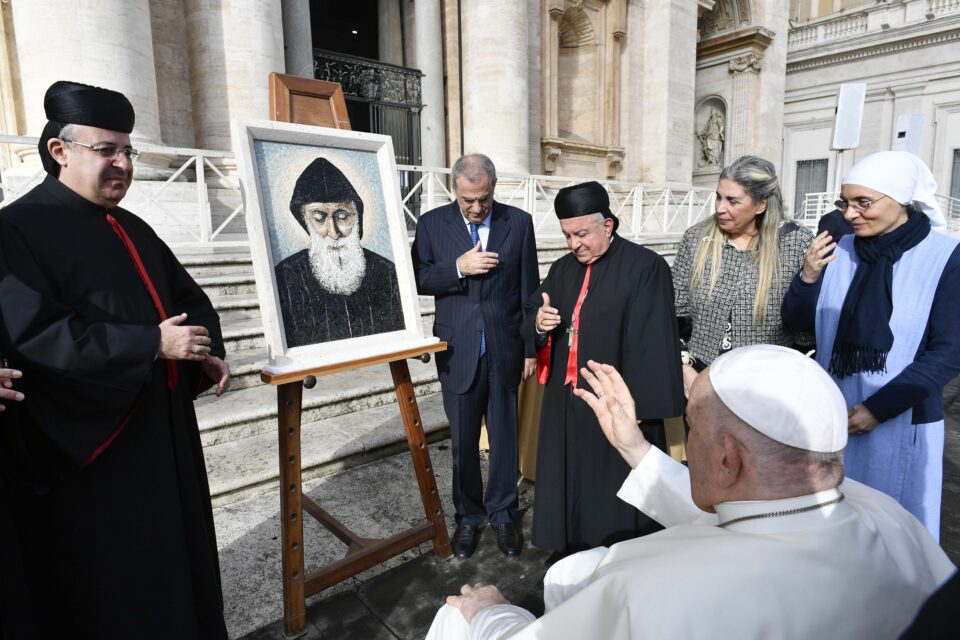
<point>872,19</point>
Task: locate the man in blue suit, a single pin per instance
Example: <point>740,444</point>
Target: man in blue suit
<point>478,258</point>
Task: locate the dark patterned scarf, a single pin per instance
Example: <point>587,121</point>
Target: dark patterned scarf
<point>864,337</point>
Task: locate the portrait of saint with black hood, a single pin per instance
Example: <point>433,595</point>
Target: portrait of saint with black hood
<point>334,289</point>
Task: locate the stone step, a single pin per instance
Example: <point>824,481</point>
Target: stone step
<point>245,368</point>
<point>235,301</point>
<point>220,268</point>
<point>228,284</point>
<point>242,334</point>
<point>245,468</point>
<point>252,411</point>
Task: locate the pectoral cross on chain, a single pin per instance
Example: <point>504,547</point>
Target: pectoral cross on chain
<point>572,331</point>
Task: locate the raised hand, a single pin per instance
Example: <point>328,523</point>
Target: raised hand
<point>476,262</point>
<point>615,410</point>
<point>817,258</point>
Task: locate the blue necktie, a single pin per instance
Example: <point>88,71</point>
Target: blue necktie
<point>475,238</point>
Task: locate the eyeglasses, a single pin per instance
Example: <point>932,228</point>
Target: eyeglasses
<point>860,205</point>
<point>109,151</point>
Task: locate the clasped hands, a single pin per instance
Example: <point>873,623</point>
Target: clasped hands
<point>192,342</point>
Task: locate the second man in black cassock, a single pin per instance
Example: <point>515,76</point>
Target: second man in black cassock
<point>608,300</point>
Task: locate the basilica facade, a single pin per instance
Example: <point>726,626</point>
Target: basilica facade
<point>651,91</point>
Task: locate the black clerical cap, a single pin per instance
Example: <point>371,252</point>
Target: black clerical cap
<point>74,103</point>
<point>583,200</point>
<point>321,181</point>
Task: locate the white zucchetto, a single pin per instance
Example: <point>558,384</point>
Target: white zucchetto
<point>783,395</point>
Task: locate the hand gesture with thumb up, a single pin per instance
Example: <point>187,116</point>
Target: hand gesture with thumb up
<point>548,318</point>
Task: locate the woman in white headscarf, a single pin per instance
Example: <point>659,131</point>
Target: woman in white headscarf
<point>885,313</point>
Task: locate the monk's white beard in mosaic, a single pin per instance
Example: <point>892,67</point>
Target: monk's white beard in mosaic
<point>338,264</point>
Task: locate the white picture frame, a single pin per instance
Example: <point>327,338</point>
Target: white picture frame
<point>272,156</point>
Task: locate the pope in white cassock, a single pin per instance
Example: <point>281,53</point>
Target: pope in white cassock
<point>786,549</point>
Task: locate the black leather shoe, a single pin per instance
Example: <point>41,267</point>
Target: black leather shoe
<point>509,538</point>
<point>465,540</point>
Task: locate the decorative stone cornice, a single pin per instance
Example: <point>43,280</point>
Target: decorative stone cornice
<point>705,5</point>
<point>747,62</point>
<point>755,39</point>
<point>853,53</point>
<point>553,148</point>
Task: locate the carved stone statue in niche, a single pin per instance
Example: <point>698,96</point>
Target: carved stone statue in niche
<point>711,140</point>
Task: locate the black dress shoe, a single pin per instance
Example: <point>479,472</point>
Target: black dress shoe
<point>509,538</point>
<point>465,540</point>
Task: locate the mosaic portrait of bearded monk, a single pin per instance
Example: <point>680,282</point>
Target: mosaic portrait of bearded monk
<point>334,289</point>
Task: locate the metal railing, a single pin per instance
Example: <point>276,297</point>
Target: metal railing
<point>179,205</point>
<point>643,210</point>
<point>184,216</point>
<point>817,204</point>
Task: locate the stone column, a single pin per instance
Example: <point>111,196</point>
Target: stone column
<point>107,44</point>
<point>10,105</point>
<point>496,111</point>
<point>772,83</point>
<point>667,39</point>
<point>551,53</point>
<point>742,131</point>
<point>390,31</point>
<point>297,38</point>
<point>231,54</point>
<point>430,62</point>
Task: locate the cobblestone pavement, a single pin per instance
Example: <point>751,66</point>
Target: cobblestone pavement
<point>400,603</point>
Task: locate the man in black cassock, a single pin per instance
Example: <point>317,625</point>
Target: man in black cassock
<point>335,289</point>
<point>625,318</point>
<point>102,464</point>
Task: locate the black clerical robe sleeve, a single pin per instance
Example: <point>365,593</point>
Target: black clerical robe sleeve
<point>188,297</point>
<point>651,365</point>
<point>82,372</point>
<point>533,302</point>
<point>799,306</point>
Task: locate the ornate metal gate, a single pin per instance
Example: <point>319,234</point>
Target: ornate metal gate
<point>381,98</point>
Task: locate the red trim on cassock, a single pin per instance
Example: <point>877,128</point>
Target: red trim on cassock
<point>106,443</point>
<point>145,277</point>
<point>543,361</point>
<point>572,374</point>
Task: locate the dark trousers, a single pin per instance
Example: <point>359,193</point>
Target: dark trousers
<point>486,397</point>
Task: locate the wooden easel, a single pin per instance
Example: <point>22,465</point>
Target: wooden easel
<point>362,553</point>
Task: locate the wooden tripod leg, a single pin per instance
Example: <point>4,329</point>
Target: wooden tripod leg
<point>289,397</point>
<point>417,442</point>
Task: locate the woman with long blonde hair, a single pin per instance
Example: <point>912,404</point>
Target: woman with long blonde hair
<point>733,269</point>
